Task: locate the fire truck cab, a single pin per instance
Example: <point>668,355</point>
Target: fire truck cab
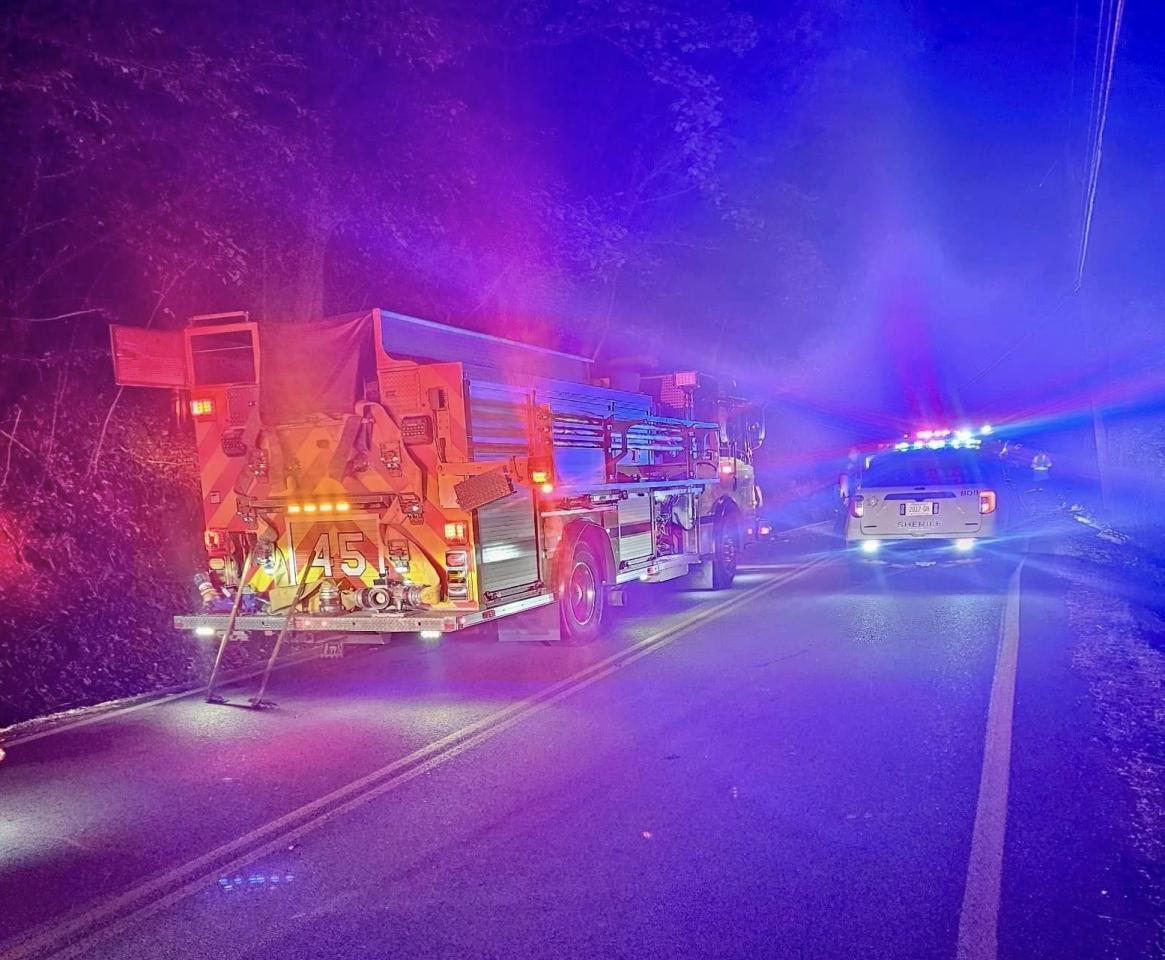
<point>375,473</point>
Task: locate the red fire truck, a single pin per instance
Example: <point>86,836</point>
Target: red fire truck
<point>375,473</point>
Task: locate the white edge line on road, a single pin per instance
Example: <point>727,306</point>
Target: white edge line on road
<point>978,937</point>
<point>67,936</point>
<point>144,700</point>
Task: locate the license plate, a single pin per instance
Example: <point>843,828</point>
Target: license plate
<point>919,509</point>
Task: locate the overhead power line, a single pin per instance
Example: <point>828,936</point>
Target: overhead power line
<point>1102,89</point>
<point>1107,34</point>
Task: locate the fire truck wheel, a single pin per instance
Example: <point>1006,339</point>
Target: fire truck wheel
<point>582,596</point>
<point>727,553</point>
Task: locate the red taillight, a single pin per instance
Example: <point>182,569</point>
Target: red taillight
<point>457,574</point>
<point>455,533</point>
<point>857,505</point>
<point>202,408</point>
<point>215,540</point>
<point>987,501</point>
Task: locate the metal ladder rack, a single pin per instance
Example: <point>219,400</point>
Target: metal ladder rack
<point>653,444</point>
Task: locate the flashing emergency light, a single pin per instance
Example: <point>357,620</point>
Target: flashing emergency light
<point>965,544</point>
<point>871,546</point>
<point>964,438</point>
<point>430,634</point>
<point>547,488</point>
<point>455,533</point>
<point>204,631</point>
<point>539,476</point>
<point>202,407</point>
<point>340,506</point>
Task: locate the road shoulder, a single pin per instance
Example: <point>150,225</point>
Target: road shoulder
<point>1081,874</point>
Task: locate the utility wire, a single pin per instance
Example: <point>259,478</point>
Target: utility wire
<point>1098,145</point>
<point>1107,33</point>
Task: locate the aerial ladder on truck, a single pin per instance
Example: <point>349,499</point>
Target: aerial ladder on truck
<point>374,474</point>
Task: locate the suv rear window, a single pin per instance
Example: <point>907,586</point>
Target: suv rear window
<point>915,468</point>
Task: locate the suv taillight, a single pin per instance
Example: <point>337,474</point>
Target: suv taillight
<point>857,505</point>
<point>987,502</point>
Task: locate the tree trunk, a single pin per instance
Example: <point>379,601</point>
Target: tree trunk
<point>294,289</point>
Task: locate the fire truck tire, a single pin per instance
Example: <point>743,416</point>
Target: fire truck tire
<point>582,597</point>
<point>727,555</point>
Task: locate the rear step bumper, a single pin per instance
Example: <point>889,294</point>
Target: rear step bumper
<point>443,621</point>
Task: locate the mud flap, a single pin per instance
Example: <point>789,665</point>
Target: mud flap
<point>700,576</point>
<point>541,625</point>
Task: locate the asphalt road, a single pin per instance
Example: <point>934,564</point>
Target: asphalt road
<point>798,768</point>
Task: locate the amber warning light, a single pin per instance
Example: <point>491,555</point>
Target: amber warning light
<point>202,408</point>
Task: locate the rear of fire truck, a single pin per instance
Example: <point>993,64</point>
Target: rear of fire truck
<point>377,474</point>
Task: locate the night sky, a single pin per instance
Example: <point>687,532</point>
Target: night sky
<point>919,178</point>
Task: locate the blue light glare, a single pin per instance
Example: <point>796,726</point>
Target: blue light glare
<point>254,881</point>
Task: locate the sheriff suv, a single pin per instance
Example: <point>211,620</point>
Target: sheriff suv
<point>934,499</point>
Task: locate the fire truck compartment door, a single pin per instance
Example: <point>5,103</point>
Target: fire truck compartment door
<point>148,358</point>
<point>498,421</point>
<point>635,535</point>
<point>507,535</point>
<point>507,544</point>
